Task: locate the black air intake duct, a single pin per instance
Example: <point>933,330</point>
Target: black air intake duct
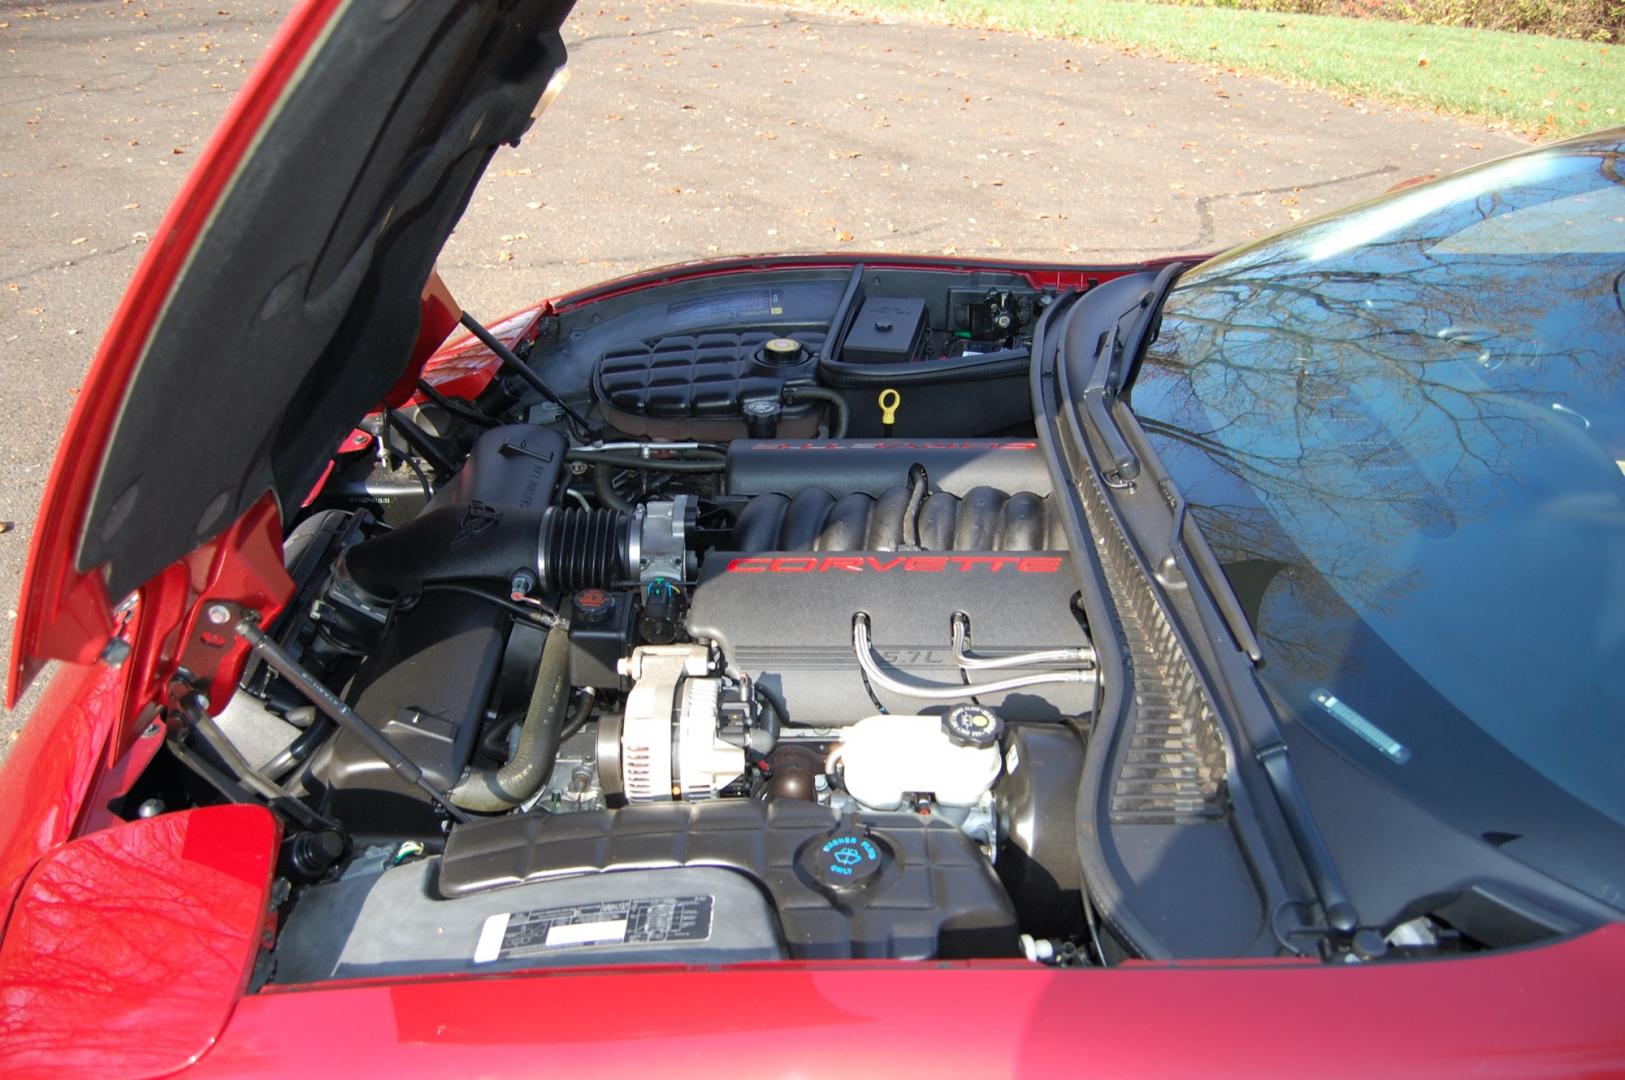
<point>565,549</point>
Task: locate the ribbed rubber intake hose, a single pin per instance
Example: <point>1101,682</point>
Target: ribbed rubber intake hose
<point>566,548</point>
<point>583,549</point>
<point>494,791</point>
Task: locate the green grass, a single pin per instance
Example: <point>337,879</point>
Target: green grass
<point>1540,85</point>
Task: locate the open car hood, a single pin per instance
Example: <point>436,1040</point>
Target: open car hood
<point>280,299</point>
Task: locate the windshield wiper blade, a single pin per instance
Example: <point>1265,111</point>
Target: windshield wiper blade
<point>1264,733</point>
<point>1200,554</point>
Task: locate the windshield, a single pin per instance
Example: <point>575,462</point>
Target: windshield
<point>1403,431</point>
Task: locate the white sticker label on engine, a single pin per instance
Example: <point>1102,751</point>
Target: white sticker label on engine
<point>582,933</point>
<point>490,946</point>
<point>668,920</point>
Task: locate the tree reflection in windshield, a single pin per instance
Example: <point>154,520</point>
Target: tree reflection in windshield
<point>1401,429</point>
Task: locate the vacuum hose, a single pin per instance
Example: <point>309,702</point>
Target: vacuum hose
<point>494,791</point>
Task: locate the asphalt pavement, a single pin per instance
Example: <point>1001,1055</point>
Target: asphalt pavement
<point>689,129</point>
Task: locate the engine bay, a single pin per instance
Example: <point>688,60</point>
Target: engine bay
<point>750,633</point>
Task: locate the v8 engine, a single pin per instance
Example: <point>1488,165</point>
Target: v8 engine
<point>846,670</point>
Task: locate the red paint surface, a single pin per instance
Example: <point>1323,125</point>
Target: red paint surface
<point>127,949</point>
<point>52,767</point>
<point>465,367</point>
<point>438,314</point>
<point>1541,1012</point>
<point>243,566</point>
<point>64,614</point>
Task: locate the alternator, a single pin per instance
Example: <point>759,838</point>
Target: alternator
<point>692,763</point>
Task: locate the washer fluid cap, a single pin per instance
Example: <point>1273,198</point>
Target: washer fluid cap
<point>848,858</point>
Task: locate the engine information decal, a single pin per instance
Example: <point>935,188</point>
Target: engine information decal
<point>511,935</point>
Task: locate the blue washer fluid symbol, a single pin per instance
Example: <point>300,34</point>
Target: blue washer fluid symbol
<point>848,856</point>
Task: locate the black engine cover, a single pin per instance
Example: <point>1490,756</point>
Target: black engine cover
<point>934,894</point>
<point>785,619</point>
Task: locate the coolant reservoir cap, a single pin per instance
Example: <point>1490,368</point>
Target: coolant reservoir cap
<point>848,858</point>
<point>592,606</point>
<point>972,725</point>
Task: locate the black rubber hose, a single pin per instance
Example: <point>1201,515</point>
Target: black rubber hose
<point>537,615</point>
<point>973,368</point>
<point>495,791</point>
<point>459,409</point>
<point>776,700</point>
<point>840,412</point>
<point>603,485</point>
<point>919,486</point>
<point>583,713</point>
<point>295,753</point>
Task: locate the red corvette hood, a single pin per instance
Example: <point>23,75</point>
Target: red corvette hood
<point>280,299</point>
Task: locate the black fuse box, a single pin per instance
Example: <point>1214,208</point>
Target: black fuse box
<point>888,330</point>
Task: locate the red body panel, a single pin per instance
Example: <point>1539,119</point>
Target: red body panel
<point>51,769</point>
<point>465,367</point>
<point>1542,1012</point>
<point>127,949</point>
